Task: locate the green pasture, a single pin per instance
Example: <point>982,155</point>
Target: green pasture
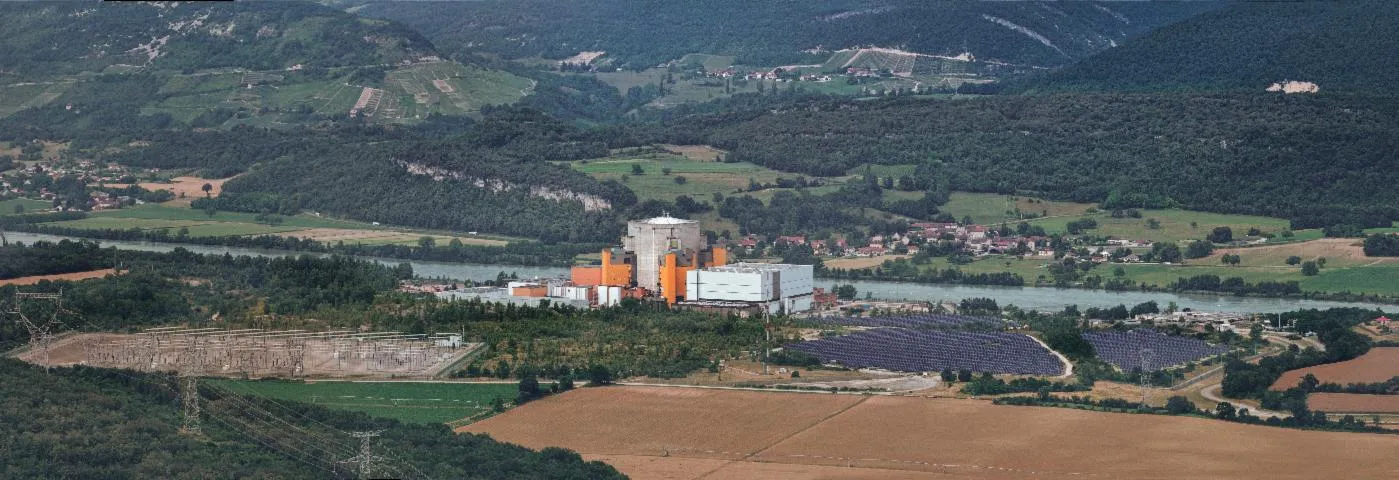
<point>469,88</point>
<point>162,212</point>
<point>992,208</point>
<point>702,179</point>
<point>7,207</point>
<point>1175,225</point>
<point>14,98</point>
<point>710,62</point>
<point>196,228</point>
<point>402,401</point>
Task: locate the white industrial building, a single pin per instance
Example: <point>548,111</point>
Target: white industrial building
<point>651,238</point>
<point>778,287</point>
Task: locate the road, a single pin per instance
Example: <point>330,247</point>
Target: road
<point>1212,393</point>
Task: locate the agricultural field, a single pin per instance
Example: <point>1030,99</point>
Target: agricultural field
<point>1175,225</point>
<point>698,153</point>
<point>409,402</point>
<point>14,98</point>
<point>702,178</point>
<point>992,208</point>
<point>72,277</point>
<point>655,432</point>
<point>696,90</point>
<point>195,228</point>
<point>285,97</point>
<point>7,207</point>
<point>1353,403</point>
<point>709,62</point>
<point>1338,252</point>
<point>329,230</point>
<point>450,88</point>
<point>1380,364</point>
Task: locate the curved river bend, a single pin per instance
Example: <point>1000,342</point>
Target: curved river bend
<point>1037,298</point>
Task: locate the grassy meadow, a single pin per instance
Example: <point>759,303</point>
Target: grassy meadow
<point>403,401</point>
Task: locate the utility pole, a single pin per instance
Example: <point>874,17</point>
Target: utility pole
<point>767,340</point>
<point>365,460</point>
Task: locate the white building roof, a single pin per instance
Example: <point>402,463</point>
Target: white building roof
<point>754,267</point>
<point>666,220</point>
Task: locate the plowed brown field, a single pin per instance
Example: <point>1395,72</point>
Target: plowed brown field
<point>1353,403</point>
<point>1378,365</point>
<point>659,432</point>
<point>75,276</point>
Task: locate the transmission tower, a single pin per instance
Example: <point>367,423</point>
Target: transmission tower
<point>40,331</point>
<point>1146,354</point>
<point>364,462</point>
<point>191,364</point>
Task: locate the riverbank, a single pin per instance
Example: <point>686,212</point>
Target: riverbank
<point>1344,297</point>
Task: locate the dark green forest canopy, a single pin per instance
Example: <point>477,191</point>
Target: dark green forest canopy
<point>1341,46</point>
<point>492,175</point>
<point>98,423</point>
<point>1294,157</point>
<point>642,34</point>
<point>54,38</point>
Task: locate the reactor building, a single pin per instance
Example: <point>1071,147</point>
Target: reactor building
<point>651,239</point>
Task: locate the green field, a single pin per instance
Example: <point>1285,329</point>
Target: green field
<point>14,98</point>
<point>188,215</point>
<point>1376,279</point>
<point>468,88</point>
<point>710,62</point>
<point>702,179</point>
<point>1175,225</point>
<point>7,207</point>
<point>993,209</point>
<point>200,224</point>
<point>402,401</point>
<point>682,91</point>
<point>196,228</point>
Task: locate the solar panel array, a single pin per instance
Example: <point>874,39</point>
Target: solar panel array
<point>921,320</point>
<point>933,350</point>
<point>1123,349</point>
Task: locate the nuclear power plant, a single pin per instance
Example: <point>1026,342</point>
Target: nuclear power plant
<point>667,258</point>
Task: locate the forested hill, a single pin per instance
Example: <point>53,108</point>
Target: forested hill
<point>44,39</point>
<point>449,174</point>
<point>1320,160</point>
<point>98,423</point>
<point>1340,46</point>
<point>640,34</point>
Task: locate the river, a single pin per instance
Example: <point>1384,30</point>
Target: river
<point>1036,298</point>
